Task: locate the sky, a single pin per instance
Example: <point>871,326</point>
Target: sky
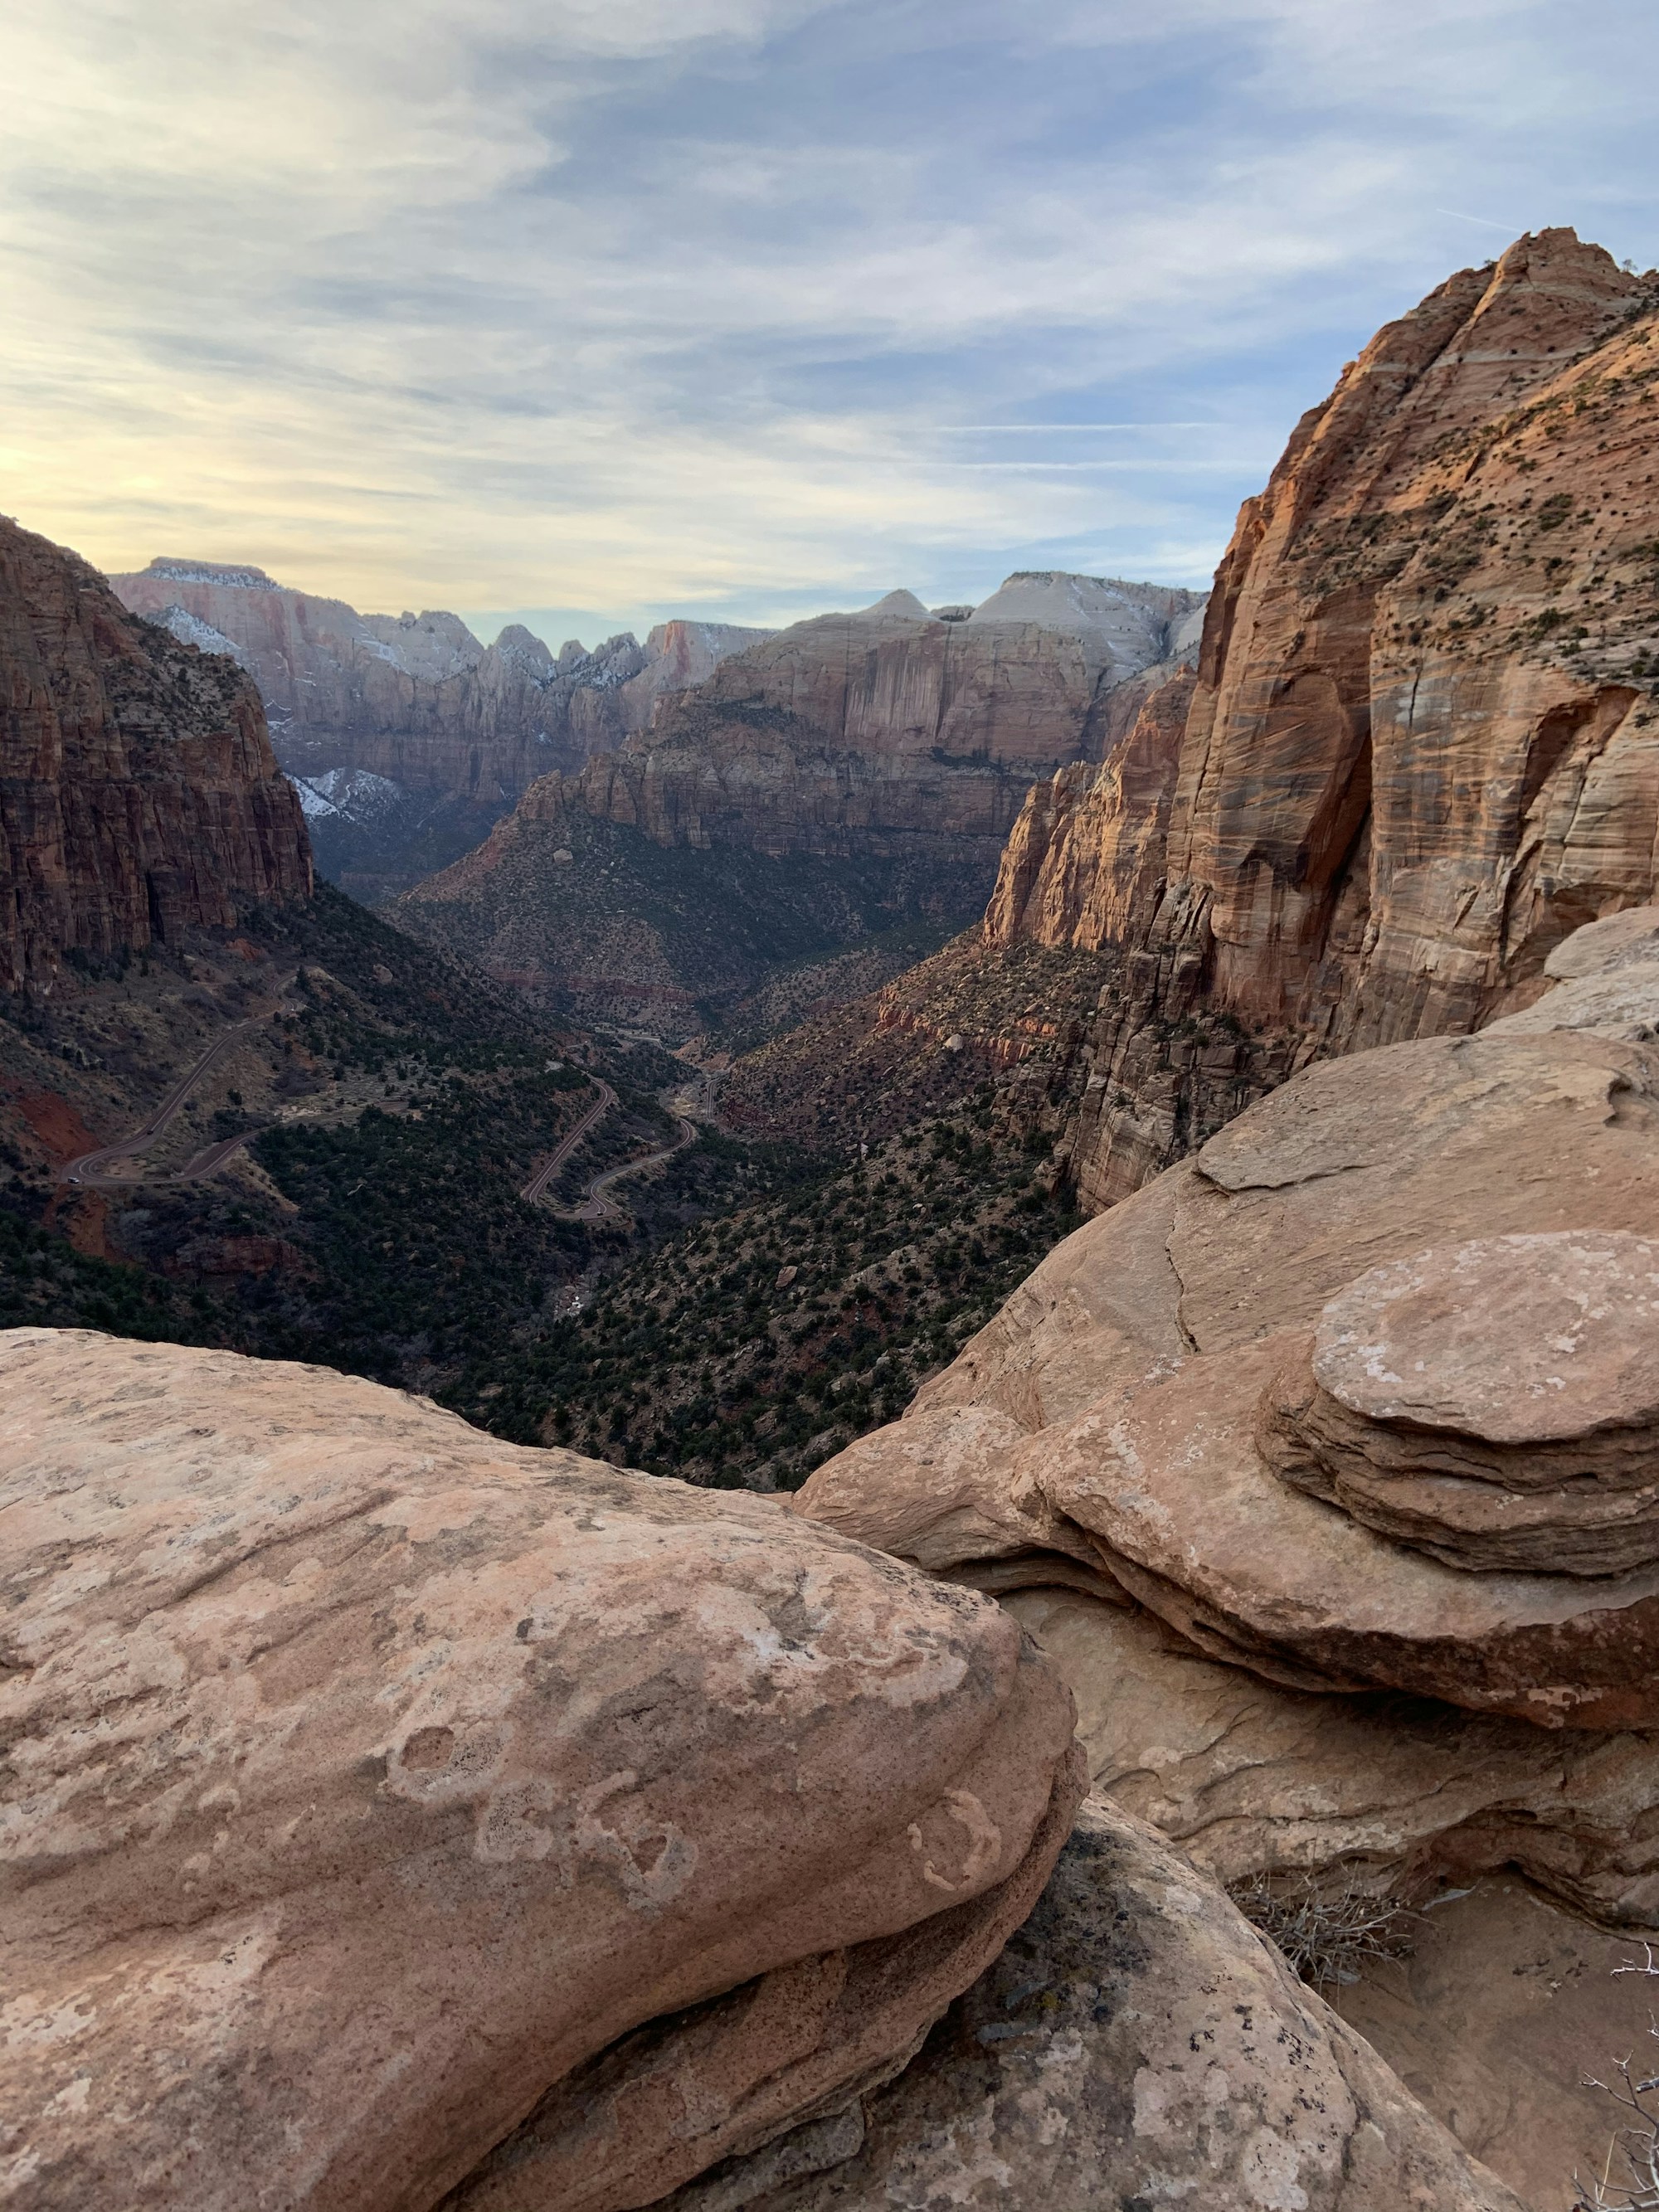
<point>588,313</point>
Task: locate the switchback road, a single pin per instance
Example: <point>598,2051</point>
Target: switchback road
<point>597,1207</point>
<point>89,1169</point>
<point>544,1174</point>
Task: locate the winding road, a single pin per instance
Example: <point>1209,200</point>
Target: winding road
<point>544,1174</point>
<point>597,1207</point>
<point>88,1169</point>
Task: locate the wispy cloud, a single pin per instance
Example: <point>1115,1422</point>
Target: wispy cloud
<point>608,307</point>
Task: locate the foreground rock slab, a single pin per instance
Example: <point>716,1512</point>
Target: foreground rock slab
<point>1173,1407</point>
<point>1136,2043</point>
<point>367,1776</point>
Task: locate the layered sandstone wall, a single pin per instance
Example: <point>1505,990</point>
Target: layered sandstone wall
<point>860,732</point>
<point>1423,744</point>
<point>850,773</point>
<point>138,792</point>
<point>418,698</point>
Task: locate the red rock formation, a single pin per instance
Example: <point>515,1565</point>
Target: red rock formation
<point>1423,745</point>
<point>138,793</point>
<point>850,730</point>
<point>1085,863</point>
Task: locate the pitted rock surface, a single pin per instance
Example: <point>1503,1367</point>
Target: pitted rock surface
<point>367,1775</point>
<point>1136,2043</point>
<point>730,2075</point>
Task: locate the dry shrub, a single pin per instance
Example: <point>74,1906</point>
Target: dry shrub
<point>1629,2180</point>
<point>1326,1934</point>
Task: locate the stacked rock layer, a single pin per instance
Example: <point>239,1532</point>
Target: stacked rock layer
<point>138,793</point>
<point>1361,1398</point>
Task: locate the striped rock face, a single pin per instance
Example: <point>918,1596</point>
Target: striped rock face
<point>1494,1403</point>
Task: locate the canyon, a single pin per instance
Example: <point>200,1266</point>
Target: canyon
<point>139,796</point>
<point>1182,1728</point>
<point>408,736</point>
<point>853,775</point>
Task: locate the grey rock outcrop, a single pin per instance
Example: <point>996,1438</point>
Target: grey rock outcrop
<point>1136,2043</point>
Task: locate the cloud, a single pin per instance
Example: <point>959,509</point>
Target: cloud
<point>733,305</point>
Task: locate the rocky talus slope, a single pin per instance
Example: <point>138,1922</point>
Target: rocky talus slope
<point>1421,746</point>
<point>853,775</point>
<point>414,735</point>
<point>399,1819</point>
<point>1328,1466</point>
<point>138,793</point>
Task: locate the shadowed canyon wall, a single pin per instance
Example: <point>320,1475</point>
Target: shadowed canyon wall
<point>1422,743</point>
<point>138,793</point>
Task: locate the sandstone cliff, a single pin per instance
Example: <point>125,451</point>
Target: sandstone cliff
<point>883,755</point>
<point>858,732</point>
<point>138,793</point>
<point>417,697</point>
<point>450,731</point>
<point>1423,744</point>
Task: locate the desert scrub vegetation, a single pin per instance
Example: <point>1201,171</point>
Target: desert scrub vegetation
<point>744,1351</point>
<point>1328,1932</point>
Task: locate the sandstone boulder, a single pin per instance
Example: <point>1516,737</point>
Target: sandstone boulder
<point>367,1776</point>
<point>1322,1465</point>
<point>1402,1795</point>
<point>1160,1368</point>
<point>1136,2043</point>
<point>1494,1403</point>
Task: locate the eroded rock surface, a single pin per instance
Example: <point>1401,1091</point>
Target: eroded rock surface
<point>1136,2043</point>
<point>138,793</point>
<point>1179,1401</point>
<point>368,1776</point>
<point>1323,1466</point>
<point>1424,745</point>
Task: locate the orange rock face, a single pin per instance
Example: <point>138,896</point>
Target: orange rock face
<point>138,792</point>
<point>1423,746</point>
